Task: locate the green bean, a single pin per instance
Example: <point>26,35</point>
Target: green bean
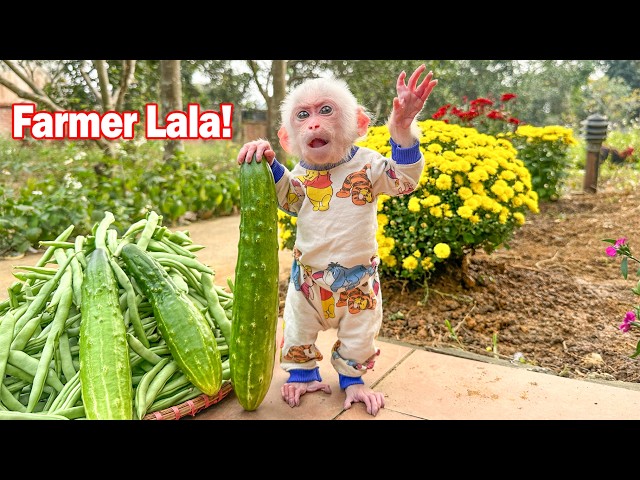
<point>215,308</point>
<point>160,350</point>
<point>35,307</point>
<point>15,384</point>
<point>179,281</point>
<point>140,396</point>
<point>71,413</point>
<point>177,249</point>
<point>156,384</point>
<point>52,340</point>
<point>78,276</point>
<point>173,386</point>
<point>28,364</point>
<point>26,276</point>
<point>46,256</point>
<point>112,240</point>
<point>159,232</point>
<point>75,394</point>
<point>186,261</point>
<point>187,273</point>
<point>101,230</point>
<point>147,232</point>
<point>156,246</point>
<point>180,238</point>
<point>132,303</point>
<point>30,416</point>
<point>79,249</point>
<point>66,361</point>
<point>48,271</point>
<point>35,344</point>
<point>134,228</point>
<point>47,404</point>
<point>56,244</point>
<point>143,350</point>
<point>6,337</point>
<point>222,293</point>
<point>9,401</point>
<point>201,301</point>
<point>194,247</point>
<point>64,393</point>
<point>181,396</point>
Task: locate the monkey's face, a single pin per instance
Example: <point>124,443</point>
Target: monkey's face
<point>317,138</point>
<point>321,120</point>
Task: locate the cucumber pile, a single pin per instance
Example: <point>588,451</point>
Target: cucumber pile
<point>113,327</point>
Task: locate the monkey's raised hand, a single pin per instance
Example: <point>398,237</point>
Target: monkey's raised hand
<point>410,100</point>
<point>258,147</point>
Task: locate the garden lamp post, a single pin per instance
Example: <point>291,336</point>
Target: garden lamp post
<point>594,131</point>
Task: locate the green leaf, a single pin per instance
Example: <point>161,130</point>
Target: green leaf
<point>609,240</point>
<point>637,352</point>
<point>624,267</point>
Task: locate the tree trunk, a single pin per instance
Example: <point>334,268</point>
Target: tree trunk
<point>170,99</point>
<point>279,71</point>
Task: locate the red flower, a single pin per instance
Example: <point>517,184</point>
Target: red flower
<point>495,115</point>
<point>441,112</point>
<point>514,120</point>
<point>507,96</point>
<point>480,101</point>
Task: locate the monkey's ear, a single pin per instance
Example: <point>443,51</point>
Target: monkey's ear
<point>363,122</point>
<point>284,139</point>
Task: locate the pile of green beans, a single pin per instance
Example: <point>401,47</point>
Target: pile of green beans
<point>40,322</point>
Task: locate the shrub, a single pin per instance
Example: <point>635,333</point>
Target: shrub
<point>473,193</point>
<point>544,150</point>
<point>45,187</point>
<point>546,153</point>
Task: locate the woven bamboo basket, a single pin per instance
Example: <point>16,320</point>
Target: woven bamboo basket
<point>190,407</point>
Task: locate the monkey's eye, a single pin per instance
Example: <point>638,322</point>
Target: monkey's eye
<point>302,114</point>
<point>326,110</point>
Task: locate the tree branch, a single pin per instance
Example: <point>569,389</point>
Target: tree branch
<point>127,76</point>
<point>103,81</point>
<point>41,99</point>
<point>19,72</point>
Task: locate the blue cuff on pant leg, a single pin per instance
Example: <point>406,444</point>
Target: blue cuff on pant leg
<point>346,381</point>
<point>302,376</point>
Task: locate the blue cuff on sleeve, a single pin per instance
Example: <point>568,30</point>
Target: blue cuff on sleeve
<point>405,156</point>
<point>278,170</point>
<point>346,381</point>
<point>302,376</point>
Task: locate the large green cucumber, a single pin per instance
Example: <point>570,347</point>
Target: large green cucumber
<point>252,349</point>
<point>105,372</point>
<point>182,325</point>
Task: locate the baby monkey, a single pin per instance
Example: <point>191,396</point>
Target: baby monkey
<point>333,192</point>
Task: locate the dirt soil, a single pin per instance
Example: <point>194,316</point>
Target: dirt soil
<point>553,300</point>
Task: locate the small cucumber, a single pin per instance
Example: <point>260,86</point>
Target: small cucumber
<point>182,325</point>
<point>105,371</point>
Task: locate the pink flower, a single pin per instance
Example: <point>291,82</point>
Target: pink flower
<point>612,251</point>
<point>629,318</point>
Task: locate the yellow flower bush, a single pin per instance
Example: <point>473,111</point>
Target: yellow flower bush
<point>544,150</point>
<point>473,193</point>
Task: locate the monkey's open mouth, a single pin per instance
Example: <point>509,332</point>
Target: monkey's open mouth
<point>317,142</point>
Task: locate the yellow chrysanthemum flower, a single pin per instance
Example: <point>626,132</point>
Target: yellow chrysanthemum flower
<point>442,250</point>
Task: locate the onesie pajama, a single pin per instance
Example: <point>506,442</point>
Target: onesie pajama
<point>334,277</point>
